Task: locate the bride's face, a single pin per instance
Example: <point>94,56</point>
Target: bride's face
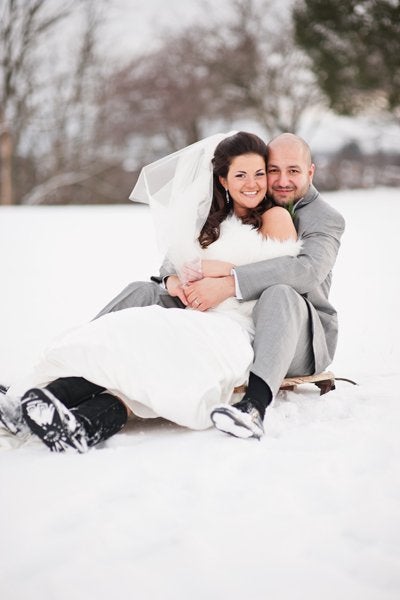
<point>246,182</point>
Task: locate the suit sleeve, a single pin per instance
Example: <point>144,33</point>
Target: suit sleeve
<point>166,269</point>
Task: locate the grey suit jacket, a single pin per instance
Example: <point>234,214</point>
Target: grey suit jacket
<point>320,227</point>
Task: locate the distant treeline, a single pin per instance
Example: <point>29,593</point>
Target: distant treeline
<point>350,168</point>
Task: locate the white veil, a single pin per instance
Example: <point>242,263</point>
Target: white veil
<point>178,188</point>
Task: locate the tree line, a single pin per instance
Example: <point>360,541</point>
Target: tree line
<point>77,127</point>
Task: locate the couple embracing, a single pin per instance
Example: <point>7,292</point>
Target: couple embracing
<point>243,296</point>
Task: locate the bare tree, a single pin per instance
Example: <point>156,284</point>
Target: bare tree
<point>70,109</point>
<point>23,25</point>
<point>49,100</point>
<point>245,67</point>
<point>266,77</point>
<point>166,95</point>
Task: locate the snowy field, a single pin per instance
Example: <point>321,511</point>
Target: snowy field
<point>161,513</point>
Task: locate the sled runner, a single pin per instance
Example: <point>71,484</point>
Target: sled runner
<point>325,381</point>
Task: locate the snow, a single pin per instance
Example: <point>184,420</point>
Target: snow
<point>159,512</point>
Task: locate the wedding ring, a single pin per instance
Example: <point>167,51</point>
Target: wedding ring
<point>196,302</point>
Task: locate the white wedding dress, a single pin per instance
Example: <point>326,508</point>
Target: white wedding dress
<point>171,363</point>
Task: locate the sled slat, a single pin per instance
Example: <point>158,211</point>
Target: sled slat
<point>325,381</point>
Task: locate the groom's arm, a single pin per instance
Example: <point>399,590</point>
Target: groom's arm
<point>320,245</point>
<point>166,269</point>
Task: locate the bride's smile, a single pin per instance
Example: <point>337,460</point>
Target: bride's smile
<point>246,182</point>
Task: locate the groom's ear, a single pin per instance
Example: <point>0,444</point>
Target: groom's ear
<point>311,172</point>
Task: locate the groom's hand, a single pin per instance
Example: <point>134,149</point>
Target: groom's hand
<point>174,288</point>
<point>209,292</point>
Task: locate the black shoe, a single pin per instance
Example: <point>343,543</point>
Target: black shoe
<point>52,422</point>
<point>241,420</point>
<point>11,417</point>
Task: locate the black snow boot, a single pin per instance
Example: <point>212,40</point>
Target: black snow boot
<point>79,428</point>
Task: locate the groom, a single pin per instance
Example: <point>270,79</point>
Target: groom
<point>295,325</point>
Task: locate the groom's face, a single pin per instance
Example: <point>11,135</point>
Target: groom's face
<point>289,171</point>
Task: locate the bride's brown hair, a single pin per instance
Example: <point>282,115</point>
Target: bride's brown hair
<point>231,147</point>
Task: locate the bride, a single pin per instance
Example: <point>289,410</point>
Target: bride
<point>157,362</point>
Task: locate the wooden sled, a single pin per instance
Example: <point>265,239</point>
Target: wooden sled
<point>325,381</point>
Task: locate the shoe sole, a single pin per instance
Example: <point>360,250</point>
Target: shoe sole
<point>52,422</point>
<point>232,421</point>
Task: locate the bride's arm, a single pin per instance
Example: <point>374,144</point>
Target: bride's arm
<point>207,268</point>
<point>277,223</point>
<point>216,268</point>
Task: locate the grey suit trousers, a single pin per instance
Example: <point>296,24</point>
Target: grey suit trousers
<point>141,293</point>
<point>283,340</point>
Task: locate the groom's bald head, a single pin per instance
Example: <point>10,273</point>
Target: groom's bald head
<point>290,168</point>
<point>291,142</point>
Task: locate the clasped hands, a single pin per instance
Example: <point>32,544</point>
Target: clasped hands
<point>203,285</point>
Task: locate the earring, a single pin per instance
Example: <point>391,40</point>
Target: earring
<point>228,199</point>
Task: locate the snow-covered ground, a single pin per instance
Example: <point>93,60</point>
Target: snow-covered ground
<point>312,511</point>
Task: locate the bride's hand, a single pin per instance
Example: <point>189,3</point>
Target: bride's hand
<point>216,268</point>
<point>174,288</point>
<point>209,292</point>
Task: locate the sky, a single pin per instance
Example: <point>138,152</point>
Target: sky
<point>130,24</point>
